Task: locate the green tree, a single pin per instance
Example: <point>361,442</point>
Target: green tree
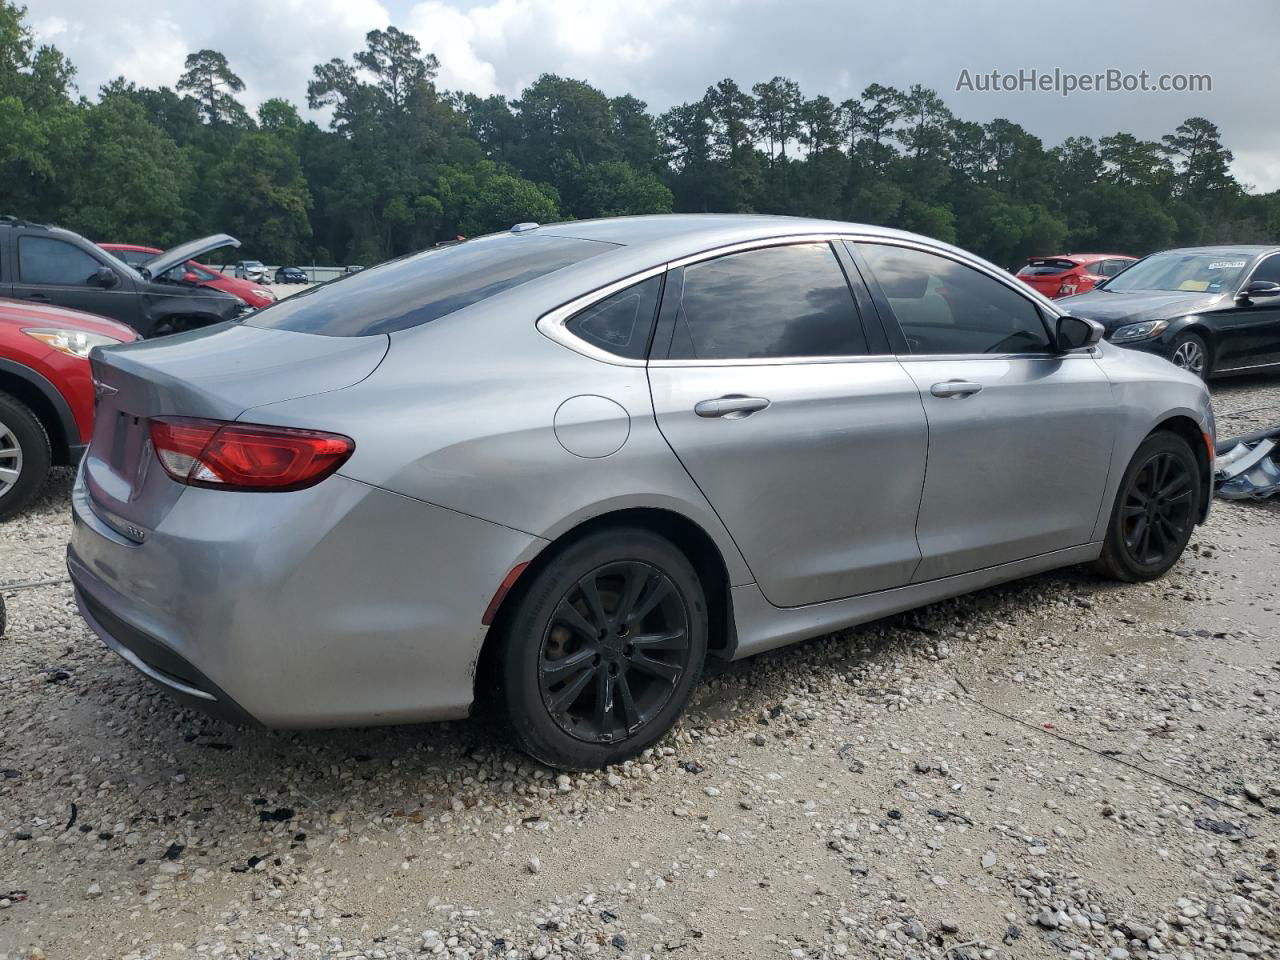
<point>208,78</point>
<point>127,181</point>
<point>265,201</point>
<point>614,188</point>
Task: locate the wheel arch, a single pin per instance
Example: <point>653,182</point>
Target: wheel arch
<point>1196,325</point>
<point>698,546</point>
<point>44,400</point>
<point>1188,429</point>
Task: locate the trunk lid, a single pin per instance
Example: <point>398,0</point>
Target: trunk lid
<point>217,373</point>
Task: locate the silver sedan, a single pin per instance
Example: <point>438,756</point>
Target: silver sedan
<point>556,468</point>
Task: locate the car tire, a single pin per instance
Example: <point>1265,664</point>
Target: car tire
<point>586,680</point>
<point>1191,353</point>
<point>1154,511</point>
<point>24,447</point>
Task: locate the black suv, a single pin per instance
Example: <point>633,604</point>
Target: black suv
<point>51,265</point>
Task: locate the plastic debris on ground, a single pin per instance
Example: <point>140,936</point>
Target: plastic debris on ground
<point>1248,467</point>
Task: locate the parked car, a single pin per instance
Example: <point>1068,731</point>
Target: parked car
<point>255,295</point>
<point>744,431</point>
<point>291,275</point>
<point>253,270</point>
<point>42,264</point>
<point>1211,310</point>
<point>1071,273</point>
<point>46,392</point>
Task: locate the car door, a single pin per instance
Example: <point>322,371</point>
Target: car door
<point>53,270</point>
<point>805,434</point>
<point>1250,329</point>
<point>1019,435</point>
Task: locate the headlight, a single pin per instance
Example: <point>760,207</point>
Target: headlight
<point>1139,331</point>
<point>264,294</point>
<point>75,343</point>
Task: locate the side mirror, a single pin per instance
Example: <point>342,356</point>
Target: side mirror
<point>105,277</point>
<point>1074,333</point>
<point>1259,289</point>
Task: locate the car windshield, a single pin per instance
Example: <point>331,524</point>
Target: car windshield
<point>424,286</point>
<point>1183,272</point>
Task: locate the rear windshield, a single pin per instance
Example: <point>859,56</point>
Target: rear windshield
<point>1045,268</point>
<point>424,286</point>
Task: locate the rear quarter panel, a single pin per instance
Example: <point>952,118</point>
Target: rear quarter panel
<point>463,414</point>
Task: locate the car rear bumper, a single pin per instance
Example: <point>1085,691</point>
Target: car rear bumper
<point>341,605</point>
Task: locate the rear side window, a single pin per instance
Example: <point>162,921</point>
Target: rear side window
<point>945,307</point>
<point>52,261</point>
<point>786,301</point>
<point>621,323</point>
<point>424,286</point>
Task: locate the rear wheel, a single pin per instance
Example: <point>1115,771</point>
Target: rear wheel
<point>25,455</point>
<point>602,649</point>
<point>1191,353</point>
<point>1154,511</point>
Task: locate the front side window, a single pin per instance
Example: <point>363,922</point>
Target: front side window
<point>425,286</point>
<point>51,261</point>
<point>946,307</point>
<point>1268,269</point>
<point>786,301</point>
<point>621,323</point>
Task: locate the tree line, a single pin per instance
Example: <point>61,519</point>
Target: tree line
<point>401,164</point>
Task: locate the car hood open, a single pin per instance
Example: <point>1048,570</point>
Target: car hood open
<point>191,250</point>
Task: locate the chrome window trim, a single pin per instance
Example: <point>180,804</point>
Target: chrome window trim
<point>1263,258</point>
<point>1017,286</point>
<point>552,324</point>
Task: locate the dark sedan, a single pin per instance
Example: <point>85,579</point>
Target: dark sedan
<point>291,275</point>
<point>1211,310</point>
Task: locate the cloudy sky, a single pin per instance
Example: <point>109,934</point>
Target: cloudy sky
<point>669,51</point>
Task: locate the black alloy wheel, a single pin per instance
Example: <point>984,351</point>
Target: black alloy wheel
<point>599,647</point>
<point>1155,510</point>
<point>613,651</point>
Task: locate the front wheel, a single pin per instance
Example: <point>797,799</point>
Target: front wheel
<point>602,649</point>
<point>25,454</point>
<point>1154,511</point>
<point>1191,353</point>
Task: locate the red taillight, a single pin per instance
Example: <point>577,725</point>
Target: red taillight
<point>246,456</point>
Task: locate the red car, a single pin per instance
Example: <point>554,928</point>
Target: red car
<point>254,294</point>
<point>1071,273</point>
<point>46,392</point>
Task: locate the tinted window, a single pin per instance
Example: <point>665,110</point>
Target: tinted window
<point>424,286</point>
<point>1268,269</point>
<point>622,322</point>
<point>945,307</point>
<point>790,301</point>
<point>46,260</point>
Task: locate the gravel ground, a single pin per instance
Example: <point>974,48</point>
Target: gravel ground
<point>1061,767</point>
